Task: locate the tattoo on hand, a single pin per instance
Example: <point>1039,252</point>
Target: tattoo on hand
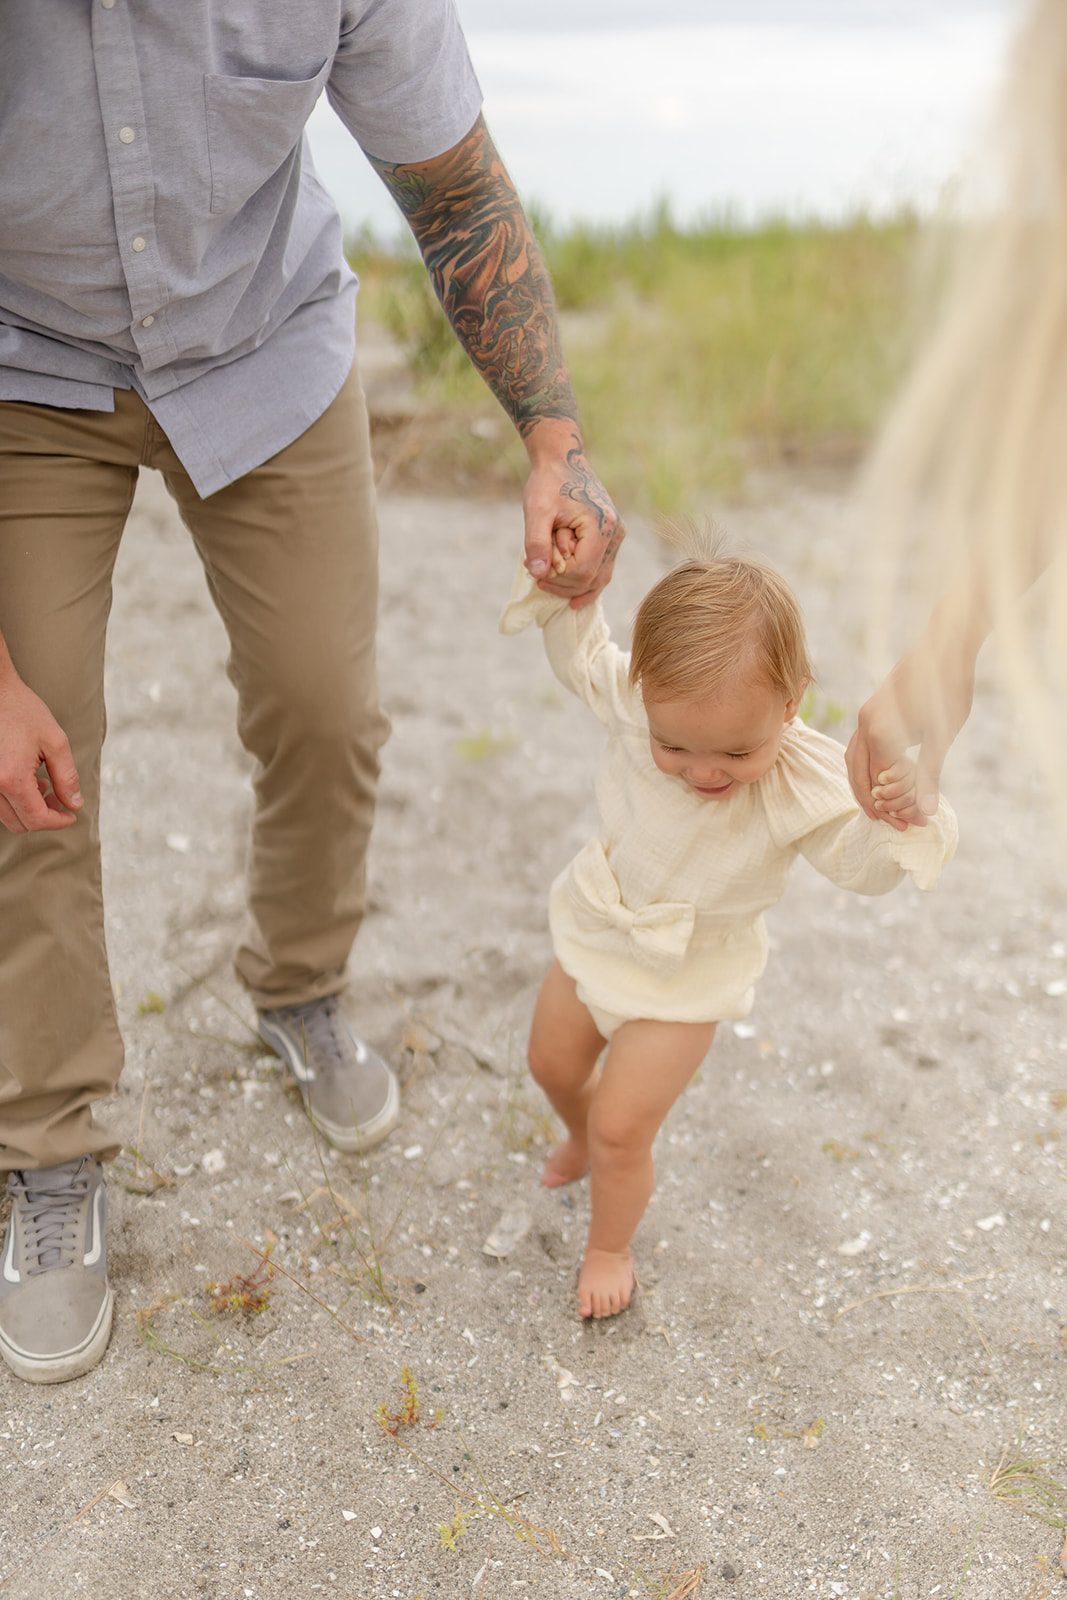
<point>488,274</point>
<point>585,488</point>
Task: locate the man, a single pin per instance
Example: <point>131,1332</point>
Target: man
<point>173,294</point>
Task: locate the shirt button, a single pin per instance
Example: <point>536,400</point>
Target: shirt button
<point>146,322</point>
<point>107,4</point>
<point>127,135</point>
<point>139,243</point>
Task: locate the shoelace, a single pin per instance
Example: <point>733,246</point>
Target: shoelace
<point>48,1218</point>
<point>323,1039</point>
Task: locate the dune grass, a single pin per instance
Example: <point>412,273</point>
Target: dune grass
<point>696,353</point>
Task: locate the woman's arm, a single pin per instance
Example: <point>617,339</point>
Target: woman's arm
<point>924,701</point>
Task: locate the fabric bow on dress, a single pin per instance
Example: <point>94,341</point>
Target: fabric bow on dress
<point>658,935</point>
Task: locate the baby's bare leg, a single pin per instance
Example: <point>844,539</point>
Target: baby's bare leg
<point>563,1053</point>
<point>648,1066</point>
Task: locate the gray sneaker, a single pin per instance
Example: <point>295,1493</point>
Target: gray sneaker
<point>55,1304</point>
<point>349,1092</point>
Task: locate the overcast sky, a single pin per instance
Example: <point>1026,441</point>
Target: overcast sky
<point>602,108</point>
<point>568,16</point>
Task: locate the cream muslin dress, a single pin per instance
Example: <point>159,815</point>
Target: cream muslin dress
<point>661,915</point>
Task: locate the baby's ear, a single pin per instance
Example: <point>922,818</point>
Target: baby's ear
<point>792,705</point>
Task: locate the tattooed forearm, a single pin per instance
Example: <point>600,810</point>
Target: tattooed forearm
<point>488,274</point>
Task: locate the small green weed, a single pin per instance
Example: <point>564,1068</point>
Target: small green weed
<point>967,1563</point>
<point>839,1152</point>
<point>355,1243</point>
<point>351,1238</point>
<point>410,1411</point>
<point>820,712</point>
<point>678,1585</point>
<point>149,1334</point>
<point>484,744</point>
<point>449,1533</point>
<point>142,1177</point>
<point>469,1507</point>
<point>1024,1482</point>
<point>809,1434</point>
<point>246,1294</point>
<point>522,1126</point>
<point>153,1005</point>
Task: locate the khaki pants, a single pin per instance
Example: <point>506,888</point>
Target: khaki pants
<point>290,554</point>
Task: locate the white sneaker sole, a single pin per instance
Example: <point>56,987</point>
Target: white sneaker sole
<point>65,1364</point>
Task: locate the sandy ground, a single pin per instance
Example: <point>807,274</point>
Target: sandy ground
<point>852,1291</point>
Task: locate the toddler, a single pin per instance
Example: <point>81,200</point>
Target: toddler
<point>709,788</point>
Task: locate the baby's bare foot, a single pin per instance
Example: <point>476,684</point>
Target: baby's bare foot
<point>568,1162</point>
<point>605,1282</point>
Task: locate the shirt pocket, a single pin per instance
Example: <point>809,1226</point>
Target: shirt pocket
<point>254,128</point>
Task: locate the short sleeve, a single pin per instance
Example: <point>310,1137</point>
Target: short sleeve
<point>402,81</point>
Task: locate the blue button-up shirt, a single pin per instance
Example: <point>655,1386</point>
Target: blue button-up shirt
<point>161,224</point>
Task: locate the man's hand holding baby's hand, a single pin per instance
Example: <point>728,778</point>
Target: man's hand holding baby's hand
<point>564,545</point>
<point>572,529</point>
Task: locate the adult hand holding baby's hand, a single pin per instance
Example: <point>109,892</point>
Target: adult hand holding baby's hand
<point>573,530</point>
<point>882,776</point>
<point>894,792</point>
<point>925,700</point>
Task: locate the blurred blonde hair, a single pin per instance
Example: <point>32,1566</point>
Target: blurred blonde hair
<point>972,463</point>
<point>716,620</point>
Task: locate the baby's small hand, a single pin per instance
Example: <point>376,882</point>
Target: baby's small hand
<point>564,545</point>
<point>894,794</point>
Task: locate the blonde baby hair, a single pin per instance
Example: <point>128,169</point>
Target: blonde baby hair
<point>715,620</point>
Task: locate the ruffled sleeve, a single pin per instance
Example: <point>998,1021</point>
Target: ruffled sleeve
<point>579,648</point>
<point>809,805</point>
<point>871,857</point>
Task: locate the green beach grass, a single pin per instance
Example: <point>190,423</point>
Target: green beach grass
<point>697,353</point>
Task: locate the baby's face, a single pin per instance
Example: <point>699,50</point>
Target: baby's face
<point>716,745</point>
